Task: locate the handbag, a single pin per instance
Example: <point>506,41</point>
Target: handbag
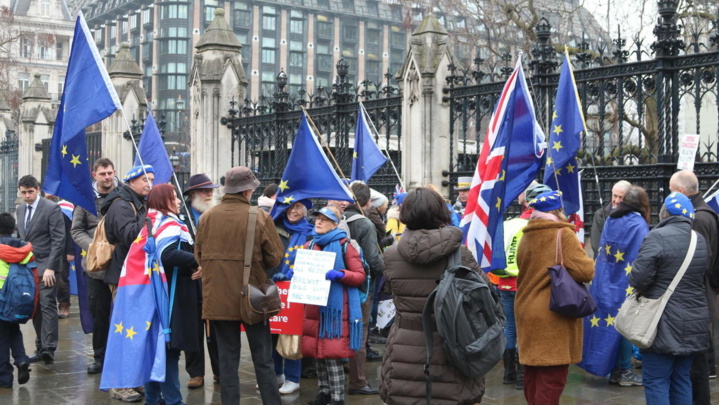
<point>568,297</point>
<point>99,253</point>
<point>258,303</point>
<point>288,346</point>
<point>638,318</point>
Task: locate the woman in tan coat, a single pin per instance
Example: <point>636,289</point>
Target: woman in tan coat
<point>548,342</point>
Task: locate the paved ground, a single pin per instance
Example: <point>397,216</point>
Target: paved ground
<point>66,381</point>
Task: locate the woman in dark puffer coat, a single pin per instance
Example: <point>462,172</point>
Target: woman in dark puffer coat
<point>412,268</point>
<point>684,326</point>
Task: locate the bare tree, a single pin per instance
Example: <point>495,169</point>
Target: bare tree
<point>10,38</point>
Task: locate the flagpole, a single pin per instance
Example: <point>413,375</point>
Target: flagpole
<point>710,189</point>
<point>368,119</point>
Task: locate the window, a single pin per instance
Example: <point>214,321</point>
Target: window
<point>58,51</point>
<point>323,49</point>
<point>297,46</point>
<point>268,76</point>
<point>242,18</point>
<point>23,81</point>
<point>297,59</point>
<point>324,63</point>
<point>268,42</point>
<point>60,85</point>
<point>173,82</point>
<point>209,14</point>
<point>146,52</point>
<point>349,33</point>
<point>322,80</point>
<point>174,47</point>
<point>98,35</point>
<point>323,3</point>
<point>174,11</point>
<point>373,37</point>
<point>124,27</point>
<point>297,27</point>
<point>397,40</point>
<point>348,5</point>
<point>175,32</point>
<point>113,32</point>
<point>133,21</point>
<point>146,16</point>
<point>268,56</point>
<point>45,8</point>
<point>372,70</point>
<point>324,30</point>
<point>269,22</point>
<point>45,79</point>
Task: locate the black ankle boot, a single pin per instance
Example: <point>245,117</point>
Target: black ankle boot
<point>321,399</point>
<point>510,371</point>
<point>520,375</point>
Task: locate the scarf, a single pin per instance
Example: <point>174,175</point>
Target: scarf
<point>544,215</point>
<point>299,231</point>
<point>331,315</point>
<point>624,208</point>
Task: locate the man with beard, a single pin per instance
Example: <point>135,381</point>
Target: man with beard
<point>199,199</point>
<point>82,231</point>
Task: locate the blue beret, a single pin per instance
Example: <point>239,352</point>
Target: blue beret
<point>547,201</point>
<point>136,171</point>
<point>679,204</point>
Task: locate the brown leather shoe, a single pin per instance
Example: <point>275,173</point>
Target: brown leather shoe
<point>196,382</point>
<point>64,311</point>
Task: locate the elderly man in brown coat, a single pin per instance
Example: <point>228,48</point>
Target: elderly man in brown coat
<point>219,248</point>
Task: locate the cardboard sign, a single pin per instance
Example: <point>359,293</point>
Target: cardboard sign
<point>688,145</point>
<point>289,320</point>
<point>308,282</point>
<point>385,312</point>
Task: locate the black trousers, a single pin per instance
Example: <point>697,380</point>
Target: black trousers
<point>100,300</point>
<point>195,361</point>
<point>699,375</point>
<point>229,341</point>
<point>63,283</point>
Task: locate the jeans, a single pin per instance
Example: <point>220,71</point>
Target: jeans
<point>290,368</point>
<point>624,356</point>
<point>170,389</point>
<point>10,335</point>
<point>510,327</point>
<point>666,379</point>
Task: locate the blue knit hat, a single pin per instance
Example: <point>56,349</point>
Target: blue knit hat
<point>136,171</point>
<point>679,204</point>
<point>547,201</point>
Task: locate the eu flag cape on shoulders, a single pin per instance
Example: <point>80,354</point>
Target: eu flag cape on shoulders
<point>139,325</point>
<point>619,246</point>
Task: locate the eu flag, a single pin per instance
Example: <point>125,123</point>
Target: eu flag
<point>152,151</point>
<point>713,201</point>
<point>308,173</point>
<point>88,97</point>
<point>618,248</point>
<point>367,157</point>
<point>561,172</point>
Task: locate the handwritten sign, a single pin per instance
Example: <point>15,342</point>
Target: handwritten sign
<point>308,282</point>
<point>385,313</point>
<point>289,320</point>
<point>688,144</point>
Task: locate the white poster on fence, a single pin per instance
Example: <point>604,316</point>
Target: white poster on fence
<point>688,145</point>
<point>308,282</point>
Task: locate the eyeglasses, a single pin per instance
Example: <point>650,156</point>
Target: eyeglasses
<point>321,218</point>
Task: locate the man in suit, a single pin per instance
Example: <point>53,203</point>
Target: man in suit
<point>40,222</point>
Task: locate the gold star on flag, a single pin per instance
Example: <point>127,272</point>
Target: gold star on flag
<point>630,290</point>
<point>554,115</point>
<point>64,150</point>
<point>570,168</point>
<point>292,266</point>
<point>83,253</point>
<point>619,256</point>
<point>557,146</point>
<point>138,239</point>
<point>594,320</point>
<point>549,161</point>
<point>287,262</point>
<point>156,267</point>
<point>499,204</point>
<point>148,325</point>
<point>558,130</point>
<point>609,320</point>
<point>287,254</point>
<point>130,333</point>
<point>684,211</point>
<point>503,173</point>
<point>75,161</point>
<point>628,269</point>
<point>678,205</point>
<point>283,185</point>
<point>118,327</point>
<point>354,155</point>
<point>288,200</point>
<point>558,172</point>
<point>608,249</point>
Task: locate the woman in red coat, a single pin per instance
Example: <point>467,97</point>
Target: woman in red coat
<point>334,332</point>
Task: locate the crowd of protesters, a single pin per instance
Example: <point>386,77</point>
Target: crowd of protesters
<point>400,249</point>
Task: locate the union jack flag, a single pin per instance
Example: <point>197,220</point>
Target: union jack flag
<point>508,162</point>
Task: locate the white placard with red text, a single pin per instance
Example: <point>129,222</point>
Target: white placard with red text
<point>688,145</point>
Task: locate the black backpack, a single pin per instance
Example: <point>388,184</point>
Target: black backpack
<point>468,318</point>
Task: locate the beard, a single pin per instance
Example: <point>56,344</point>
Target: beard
<point>200,204</point>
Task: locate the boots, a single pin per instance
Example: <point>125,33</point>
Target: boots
<point>510,370</point>
<point>520,375</point>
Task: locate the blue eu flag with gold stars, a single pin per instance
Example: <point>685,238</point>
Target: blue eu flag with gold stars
<point>618,248</point>
<point>561,172</point>
<point>308,174</point>
<point>88,97</point>
<point>367,157</point>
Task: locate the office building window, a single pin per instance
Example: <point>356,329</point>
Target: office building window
<point>174,11</point>
<point>45,79</point>
<point>348,5</point>
<point>113,32</point>
<point>297,27</point>
<point>297,46</point>
<point>209,14</point>
<point>372,70</point>
<point>324,63</point>
<point>324,30</point>
<point>349,33</point>
<point>173,47</point>
<point>133,21</point>
<point>146,16</point>
<point>124,27</point>
<point>297,59</point>
<point>242,18</point>
<point>60,85</point>
<point>269,42</point>
<point>45,8</point>
<point>269,22</point>
<point>268,56</point>
<point>23,81</point>
<point>397,40</point>
<point>174,32</point>
<point>58,51</point>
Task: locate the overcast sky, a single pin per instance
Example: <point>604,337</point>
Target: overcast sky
<point>626,14</point>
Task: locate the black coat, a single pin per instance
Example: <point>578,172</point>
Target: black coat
<point>185,311</point>
<point>684,326</point>
<point>188,222</point>
<point>122,226</point>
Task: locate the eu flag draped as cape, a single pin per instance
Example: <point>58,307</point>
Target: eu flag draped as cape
<point>139,324</point>
<point>89,96</point>
<point>618,248</point>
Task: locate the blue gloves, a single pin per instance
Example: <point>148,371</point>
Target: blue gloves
<point>280,276</point>
<point>334,275</point>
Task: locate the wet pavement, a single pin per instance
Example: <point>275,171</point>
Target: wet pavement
<point>67,382</point>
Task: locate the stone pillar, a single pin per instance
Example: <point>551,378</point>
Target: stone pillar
<point>126,76</point>
<point>425,119</point>
<point>216,78</point>
<point>37,119</point>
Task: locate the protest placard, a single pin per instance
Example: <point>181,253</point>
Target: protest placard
<point>308,282</point>
<point>289,320</point>
<point>688,144</point>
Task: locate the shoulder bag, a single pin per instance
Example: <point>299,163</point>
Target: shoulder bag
<point>259,303</point>
<point>638,318</point>
<point>568,297</point>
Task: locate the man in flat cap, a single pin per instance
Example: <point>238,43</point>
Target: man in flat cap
<point>219,248</point>
<point>200,198</point>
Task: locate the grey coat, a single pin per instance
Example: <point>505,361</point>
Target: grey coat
<point>46,231</point>
<point>364,232</point>
<point>684,326</point>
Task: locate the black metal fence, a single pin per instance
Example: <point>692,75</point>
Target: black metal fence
<point>264,130</point>
<point>635,111</point>
<point>8,172</point>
